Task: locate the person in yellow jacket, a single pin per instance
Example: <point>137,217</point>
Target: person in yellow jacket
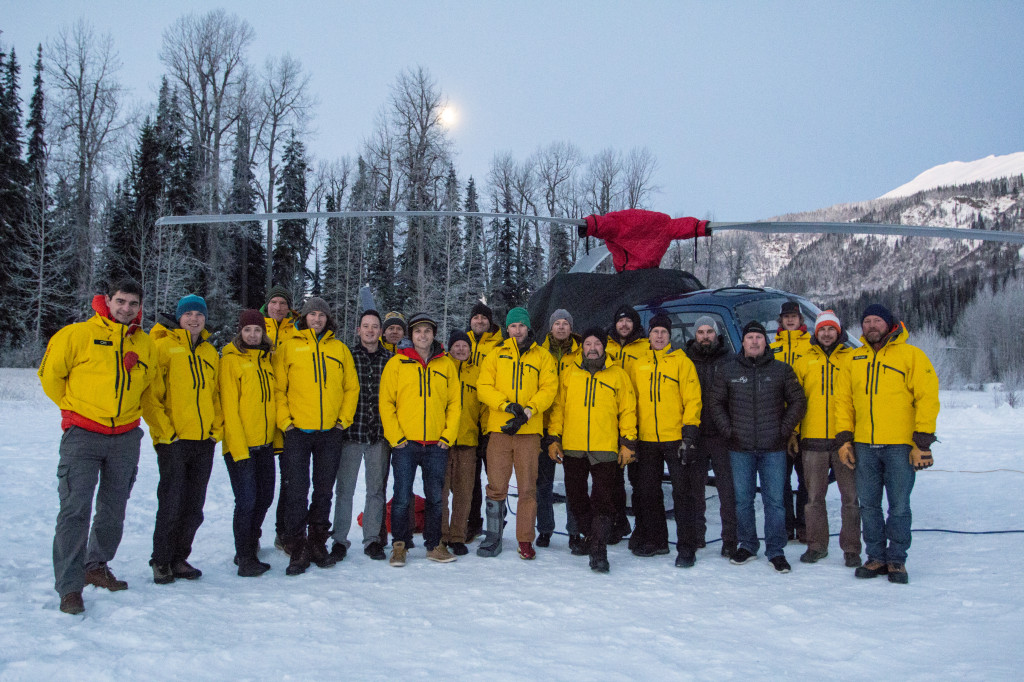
<point>517,383</point>
<point>249,407</point>
<point>317,391</point>
<point>594,430</point>
<point>99,373</point>
<point>668,411</point>
<point>792,342</point>
<point>886,408</point>
<point>458,478</point>
<point>279,320</point>
<point>420,409</point>
<point>818,371</point>
<point>393,331</point>
<point>185,428</point>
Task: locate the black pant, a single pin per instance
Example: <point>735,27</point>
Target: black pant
<point>795,503</point>
<point>325,449</point>
<point>600,502</point>
<point>648,501</point>
<point>185,467</point>
<point>252,481</point>
<point>717,451</point>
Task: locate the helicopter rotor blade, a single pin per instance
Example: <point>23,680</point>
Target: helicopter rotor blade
<point>881,229</point>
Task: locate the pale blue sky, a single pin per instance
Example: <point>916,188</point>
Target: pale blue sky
<point>752,108</point>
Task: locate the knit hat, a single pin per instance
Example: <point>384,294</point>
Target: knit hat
<point>459,335</point>
<point>596,332</point>
<point>705,320</point>
<point>481,308</point>
<point>318,304</point>
<point>560,314</point>
<point>627,311</point>
<point>278,291</point>
<point>790,307</point>
<point>251,317</point>
<point>422,318</point>
<point>755,327</point>
<point>827,318</point>
<point>189,303</point>
<point>394,317</point>
<point>881,311</point>
<point>517,315</point>
<point>659,320</point>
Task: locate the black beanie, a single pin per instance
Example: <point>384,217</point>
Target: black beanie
<point>881,311</point>
<point>481,308</point>
<point>660,320</point>
<point>595,331</point>
<point>755,327</point>
<point>459,335</point>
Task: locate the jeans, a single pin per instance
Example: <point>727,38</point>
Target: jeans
<point>353,454</point>
<point>878,467</point>
<point>252,481</point>
<point>714,448</point>
<point>185,467</point>
<point>770,467</point>
<point>433,460</point>
<point>301,508</point>
<point>545,493</point>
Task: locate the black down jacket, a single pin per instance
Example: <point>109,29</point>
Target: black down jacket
<point>706,363</point>
<point>756,402</point>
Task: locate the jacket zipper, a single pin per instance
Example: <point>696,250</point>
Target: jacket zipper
<point>656,395</point>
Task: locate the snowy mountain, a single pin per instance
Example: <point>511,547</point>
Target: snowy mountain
<point>961,173</point>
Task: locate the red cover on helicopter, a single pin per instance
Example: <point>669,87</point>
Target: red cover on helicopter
<point>637,238</point>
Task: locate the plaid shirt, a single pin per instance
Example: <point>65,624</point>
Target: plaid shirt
<point>366,427</point>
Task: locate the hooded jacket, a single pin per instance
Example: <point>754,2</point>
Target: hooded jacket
<point>100,372</point>
<point>488,341</point>
<point>469,421</point>
<point>791,344</point>
<point>508,376</point>
<point>188,393</point>
<point>420,401</point>
<point>637,238</point>
<point>316,383</point>
<point>887,395</point>
<point>594,412</point>
<point>818,373</point>
<point>667,394</point>
<point>706,364</point>
<point>279,331</point>
<point>756,402</point>
<point>247,399</point>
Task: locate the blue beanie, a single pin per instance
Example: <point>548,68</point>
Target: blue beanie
<point>188,303</point>
<point>881,311</point>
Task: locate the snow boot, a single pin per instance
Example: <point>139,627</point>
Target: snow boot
<point>543,539</point>
<point>599,544</point>
<point>871,569</point>
<point>317,544</point>
<point>578,545</point>
<point>491,545</point>
<point>251,567</point>
<point>298,551</point>
<point>898,573</point>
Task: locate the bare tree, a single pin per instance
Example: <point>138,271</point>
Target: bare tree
<point>87,110</point>
<point>601,182</point>
<point>639,169</point>
<point>557,166</point>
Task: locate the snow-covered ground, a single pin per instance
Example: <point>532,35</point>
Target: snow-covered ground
<point>961,615</point>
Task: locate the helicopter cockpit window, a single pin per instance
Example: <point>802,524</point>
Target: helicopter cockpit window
<point>766,311</point>
<point>683,330</point>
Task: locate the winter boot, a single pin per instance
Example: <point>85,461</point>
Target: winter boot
<point>251,567</point>
<point>185,571</point>
<point>72,603</point>
<point>577,545</point>
<point>298,551</point>
<point>543,539</point>
<point>100,576</point>
<point>318,553</point>
<point>491,544</point>
<point>599,544</point>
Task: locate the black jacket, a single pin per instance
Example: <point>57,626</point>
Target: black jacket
<point>706,364</point>
<point>756,402</point>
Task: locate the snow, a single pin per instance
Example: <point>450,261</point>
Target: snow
<point>961,172</point>
<point>961,615</point>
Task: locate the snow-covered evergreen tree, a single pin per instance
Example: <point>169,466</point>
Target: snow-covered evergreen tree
<point>291,246</point>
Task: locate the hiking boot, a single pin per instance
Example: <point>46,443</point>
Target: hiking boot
<point>644,550</point>
<point>102,577</point>
<point>728,549</point>
<point>491,545</point>
<point>458,548</point>
<point>398,552</point>
<point>526,551</point>
<point>544,539</point>
<point>298,550</point>
<point>685,559</point>
<point>852,559</point>
<point>72,603</point>
<point>162,574</point>
<point>898,573</point>
<point>440,554</point>
<point>184,570</point>
<point>742,556</point>
<point>375,551</point>
<point>251,567</point>
<point>780,564</point>
<point>872,569</point>
<point>577,545</point>
<point>339,552</point>
<point>317,543</point>
<point>813,556</point>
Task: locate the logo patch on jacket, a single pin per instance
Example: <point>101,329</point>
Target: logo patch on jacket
<point>741,380</point>
<point>103,342</point>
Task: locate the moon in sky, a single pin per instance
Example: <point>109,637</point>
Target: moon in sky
<point>449,116</point>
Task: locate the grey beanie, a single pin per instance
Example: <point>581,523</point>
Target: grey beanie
<point>560,314</point>
<point>706,320</point>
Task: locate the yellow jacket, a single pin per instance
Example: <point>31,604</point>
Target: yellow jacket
<point>567,358</point>
<point>279,331</point>
<point>819,376</point>
<point>317,387</point>
<point>667,394</point>
<point>592,411</point>
<point>626,357</point>
<point>790,345</point>
<point>420,401</point>
<point>487,342</point>
<point>83,370</point>
<point>885,396</point>
<point>507,376</point>
<point>187,394</point>
<point>469,422</point>
<point>247,400</point>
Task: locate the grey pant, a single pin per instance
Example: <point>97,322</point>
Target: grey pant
<point>86,457</point>
<point>377,457</point>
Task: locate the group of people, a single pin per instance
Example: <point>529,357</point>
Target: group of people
<point>607,403</point>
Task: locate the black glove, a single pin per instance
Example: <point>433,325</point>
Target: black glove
<point>923,441</point>
<point>686,451</point>
<point>515,409</point>
<point>517,420</point>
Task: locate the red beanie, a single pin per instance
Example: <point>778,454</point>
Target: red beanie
<point>250,316</point>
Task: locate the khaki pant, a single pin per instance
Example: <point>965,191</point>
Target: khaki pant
<point>504,453</point>
<point>816,465</point>
<point>458,479</point>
